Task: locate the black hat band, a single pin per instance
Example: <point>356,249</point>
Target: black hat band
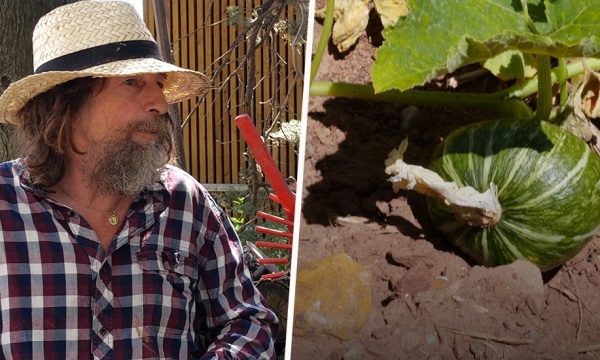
<point>102,54</point>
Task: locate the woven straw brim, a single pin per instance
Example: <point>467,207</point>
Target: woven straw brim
<point>180,84</point>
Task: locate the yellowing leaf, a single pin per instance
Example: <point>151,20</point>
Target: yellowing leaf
<point>390,11</point>
<point>589,93</point>
<point>288,132</point>
<point>351,18</point>
<point>581,107</point>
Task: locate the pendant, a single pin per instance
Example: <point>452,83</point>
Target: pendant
<point>113,219</point>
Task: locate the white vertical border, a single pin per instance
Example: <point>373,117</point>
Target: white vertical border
<point>137,4</point>
<point>300,180</point>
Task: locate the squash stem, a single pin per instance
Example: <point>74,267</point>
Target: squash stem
<point>562,81</point>
<point>478,209</point>
<point>323,40</point>
<point>506,102</point>
<point>512,107</point>
<point>544,103</point>
<point>529,87</point>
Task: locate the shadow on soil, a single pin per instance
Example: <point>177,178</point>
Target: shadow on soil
<point>354,182</point>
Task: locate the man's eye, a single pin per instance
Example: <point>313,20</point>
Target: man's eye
<point>130,82</point>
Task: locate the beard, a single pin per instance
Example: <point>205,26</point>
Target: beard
<point>119,165</point>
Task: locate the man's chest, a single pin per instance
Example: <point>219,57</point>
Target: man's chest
<point>53,291</point>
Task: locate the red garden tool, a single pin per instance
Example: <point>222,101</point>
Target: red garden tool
<point>281,195</point>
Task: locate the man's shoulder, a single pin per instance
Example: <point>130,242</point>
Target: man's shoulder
<point>10,171</point>
<point>11,185</point>
<point>177,179</point>
<point>181,185</point>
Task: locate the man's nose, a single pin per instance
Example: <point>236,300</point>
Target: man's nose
<point>156,102</point>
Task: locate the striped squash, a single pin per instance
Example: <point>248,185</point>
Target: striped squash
<point>548,186</point>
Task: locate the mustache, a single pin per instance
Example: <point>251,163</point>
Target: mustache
<point>161,124</point>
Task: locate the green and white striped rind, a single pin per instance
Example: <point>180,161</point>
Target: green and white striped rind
<point>548,186</point>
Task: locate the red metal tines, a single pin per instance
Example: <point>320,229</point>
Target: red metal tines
<point>274,218</point>
<point>268,166</point>
<point>282,194</point>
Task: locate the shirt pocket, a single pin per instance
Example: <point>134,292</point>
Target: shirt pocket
<point>176,267</point>
<point>169,279</point>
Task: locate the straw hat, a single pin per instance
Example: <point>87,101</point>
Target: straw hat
<point>99,39</point>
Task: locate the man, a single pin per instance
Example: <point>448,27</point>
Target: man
<point>106,250</point>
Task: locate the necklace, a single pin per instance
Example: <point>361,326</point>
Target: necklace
<point>113,217</point>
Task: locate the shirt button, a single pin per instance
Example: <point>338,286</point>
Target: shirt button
<point>103,332</point>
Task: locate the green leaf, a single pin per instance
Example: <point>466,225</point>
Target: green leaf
<point>576,22</point>
<point>430,41</point>
<point>416,49</point>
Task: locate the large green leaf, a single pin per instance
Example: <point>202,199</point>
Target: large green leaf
<point>440,36</point>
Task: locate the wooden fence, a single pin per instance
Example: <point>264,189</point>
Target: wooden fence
<point>204,37</point>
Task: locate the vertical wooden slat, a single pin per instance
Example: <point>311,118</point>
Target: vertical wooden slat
<point>203,118</point>
<point>282,50</point>
<point>149,16</point>
<point>290,56</point>
<point>192,125</point>
<point>235,156</point>
<point>210,138</point>
<point>213,36</point>
<point>287,53</point>
<point>175,31</point>
<point>229,163</point>
<point>225,98</point>
<point>281,95</point>
<point>220,108</point>
<point>276,93</point>
<point>179,33</point>
<point>240,52</point>
<point>173,25</point>
<point>181,42</point>
<point>190,137</point>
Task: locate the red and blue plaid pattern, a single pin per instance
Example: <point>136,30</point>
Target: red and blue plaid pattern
<point>172,284</point>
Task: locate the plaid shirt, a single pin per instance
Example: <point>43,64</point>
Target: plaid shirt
<point>172,280</point>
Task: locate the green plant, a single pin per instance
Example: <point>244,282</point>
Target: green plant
<point>430,42</point>
<point>238,212</point>
<point>555,40</point>
<point>237,204</point>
